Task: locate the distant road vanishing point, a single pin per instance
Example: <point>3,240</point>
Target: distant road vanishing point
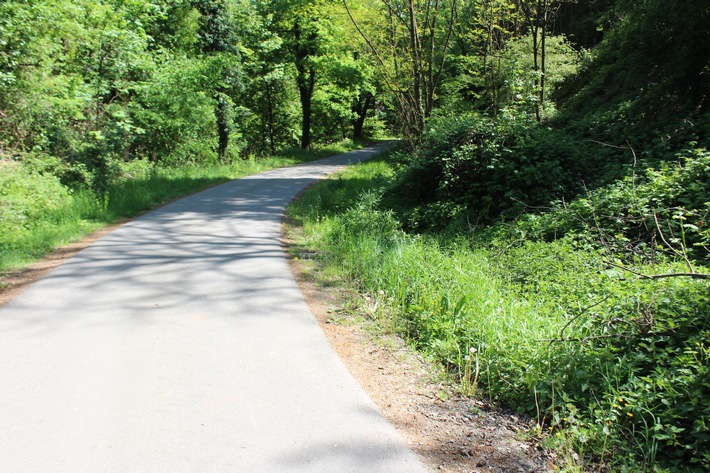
<point>180,342</point>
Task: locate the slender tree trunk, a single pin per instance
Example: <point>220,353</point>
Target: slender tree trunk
<point>543,50</point>
<point>222,117</point>
<point>361,108</point>
<point>430,81</point>
<point>533,19</point>
<point>413,51</point>
<point>306,94</point>
<point>306,81</point>
<point>270,111</point>
<point>416,68</point>
<point>539,21</point>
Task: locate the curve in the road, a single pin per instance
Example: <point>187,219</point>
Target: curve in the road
<point>181,343</point>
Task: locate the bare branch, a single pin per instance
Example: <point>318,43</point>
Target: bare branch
<point>582,312</point>
<point>372,46</point>
<point>583,339</point>
<point>446,44</point>
<point>396,13</point>
<point>632,152</point>
<point>607,144</point>
<point>683,253</point>
<point>692,274</point>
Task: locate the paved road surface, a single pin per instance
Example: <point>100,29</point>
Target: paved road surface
<point>181,343</point>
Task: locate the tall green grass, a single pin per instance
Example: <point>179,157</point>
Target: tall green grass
<point>612,365</point>
<point>39,214</point>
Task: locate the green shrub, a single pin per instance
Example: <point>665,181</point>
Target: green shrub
<point>661,212</point>
<point>478,170</point>
<point>37,212</point>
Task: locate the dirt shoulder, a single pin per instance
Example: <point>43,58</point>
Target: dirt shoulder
<point>448,431</point>
<point>13,283</point>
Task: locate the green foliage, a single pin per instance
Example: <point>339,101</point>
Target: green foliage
<point>174,114</point>
<point>661,212</point>
<point>670,46</point>
<point>647,82</point>
<point>95,83</point>
<point>519,82</point>
<point>38,213</point>
<point>109,107</point>
<point>269,97</point>
<point>624,338</point>
<point>478,170</point>
<point>217,29</point>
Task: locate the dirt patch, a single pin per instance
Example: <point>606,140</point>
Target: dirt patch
<point>448,431</point>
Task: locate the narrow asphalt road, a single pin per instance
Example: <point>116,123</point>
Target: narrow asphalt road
<point>181,343</point>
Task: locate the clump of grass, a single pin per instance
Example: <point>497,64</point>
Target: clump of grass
<point>37,213</point>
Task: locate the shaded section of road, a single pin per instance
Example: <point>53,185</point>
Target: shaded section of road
<point>181,343</point>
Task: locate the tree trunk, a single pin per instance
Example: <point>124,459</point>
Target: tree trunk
<point>306,81</point>
<point>416,51</point>
<point>362,105</point>
<point>270,112</point>
<point>533,19</point>
<point>306,94</point>
<point>222,116</point>
<point>545,11</point>
<point>430,82</point>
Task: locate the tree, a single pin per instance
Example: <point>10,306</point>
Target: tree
<point>304,46</point>
<point>297,22</point>
<point>411,53</point>
<point>315,45</point>
<point>69,72</point>
<point>477,46</point>
<point>269,94</point>
<point>538,15</point>
<point>219,43</point>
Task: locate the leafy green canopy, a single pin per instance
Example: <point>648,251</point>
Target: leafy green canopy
<point>99,82</point>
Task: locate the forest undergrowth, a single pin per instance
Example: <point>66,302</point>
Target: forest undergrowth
<point>543,234</point>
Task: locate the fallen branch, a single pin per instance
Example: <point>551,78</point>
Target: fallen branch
<point>583,339</point>
<point>692,275</point>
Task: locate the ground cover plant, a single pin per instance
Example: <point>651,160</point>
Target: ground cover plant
<point>611,360</point>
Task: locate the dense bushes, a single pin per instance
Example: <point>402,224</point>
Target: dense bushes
<point>662,211</point>
<point>629,364</point>
<point>93,83</point>
<point>37,212</point>
<point>480,170</point>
